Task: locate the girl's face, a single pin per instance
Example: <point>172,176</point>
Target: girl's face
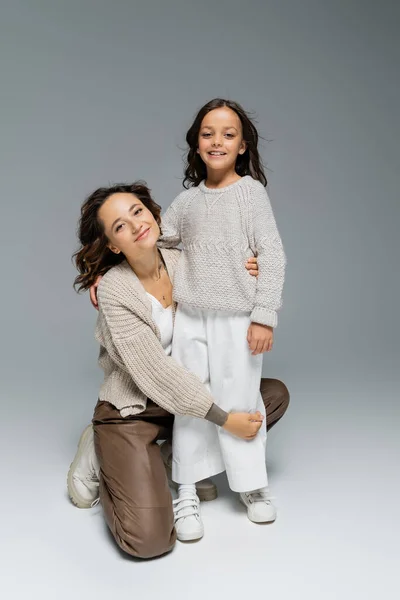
<point>129,226</point>
<point>221,139</point>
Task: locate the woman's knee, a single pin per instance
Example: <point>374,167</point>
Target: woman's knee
<point>275,390</point>
<point>147,534</point>
<point>276,399</point>
<point>282,393</point>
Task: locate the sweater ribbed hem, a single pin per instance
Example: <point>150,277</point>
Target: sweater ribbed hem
<point>263,316</point>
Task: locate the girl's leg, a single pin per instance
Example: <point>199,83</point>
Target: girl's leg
<point>134,490</point>
<point>196,451</point>
<point>235,384</point>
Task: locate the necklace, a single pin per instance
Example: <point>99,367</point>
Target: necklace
<point>160,268</point>
<point>157,277</point>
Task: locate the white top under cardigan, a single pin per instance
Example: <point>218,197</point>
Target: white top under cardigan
<point>164,319</point>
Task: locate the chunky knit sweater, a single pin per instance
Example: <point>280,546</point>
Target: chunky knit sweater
<point>219,229</point>
<point>133,360</point>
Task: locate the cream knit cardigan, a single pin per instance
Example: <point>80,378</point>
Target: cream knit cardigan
<point>131,355</point>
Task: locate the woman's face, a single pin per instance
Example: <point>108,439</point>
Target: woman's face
<point>129,226</point>
<point>221,139</point>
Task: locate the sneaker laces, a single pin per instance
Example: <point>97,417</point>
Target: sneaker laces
<point>92,478</point>
<point>94,475</point>
<point>259,496</point>
<point>187,505</point>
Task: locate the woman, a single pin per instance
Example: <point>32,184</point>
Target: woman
<point>143,387</point>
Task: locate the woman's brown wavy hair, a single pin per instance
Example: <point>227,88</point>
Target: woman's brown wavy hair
<point>249,163</point>
<point>94,258</point>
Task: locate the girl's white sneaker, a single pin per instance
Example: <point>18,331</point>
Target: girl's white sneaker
<point>259,506</point>
<point>188,523</point>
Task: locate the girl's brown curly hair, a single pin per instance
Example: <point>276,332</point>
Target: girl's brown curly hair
<point>94,258</point>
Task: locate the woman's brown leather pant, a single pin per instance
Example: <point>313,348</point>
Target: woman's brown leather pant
<point>134,490</point>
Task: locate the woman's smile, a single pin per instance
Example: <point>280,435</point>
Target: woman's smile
<point>143,235</point>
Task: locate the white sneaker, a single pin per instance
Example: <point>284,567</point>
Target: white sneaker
<point>259,506</point>
<point>83,474</point>
<point>188,523</point>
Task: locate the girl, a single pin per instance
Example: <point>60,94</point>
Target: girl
<point>225,320</point>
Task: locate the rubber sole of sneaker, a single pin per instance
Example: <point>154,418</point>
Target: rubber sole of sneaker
<point>204,495</point>
<point>190,537</point>
<point>72,492</point>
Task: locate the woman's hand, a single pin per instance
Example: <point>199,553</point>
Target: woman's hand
<point>93,292</point>
<point>244,425</point>
<point>260,338</point>
<point>252,266</point>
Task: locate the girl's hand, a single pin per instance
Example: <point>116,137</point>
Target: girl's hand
<point>93,292</point>
<point>260,338</point>
<point>252,266</point>
<point>244,425</point>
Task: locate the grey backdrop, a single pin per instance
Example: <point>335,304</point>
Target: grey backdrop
<point>94,92</point>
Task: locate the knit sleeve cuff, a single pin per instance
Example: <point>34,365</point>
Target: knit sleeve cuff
<point>264,316</point>
<point>216,415</point>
